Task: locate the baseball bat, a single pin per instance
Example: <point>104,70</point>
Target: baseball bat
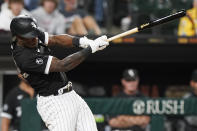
<point>150,24</point>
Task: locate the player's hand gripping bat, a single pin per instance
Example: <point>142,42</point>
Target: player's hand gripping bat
<point>149,25</point>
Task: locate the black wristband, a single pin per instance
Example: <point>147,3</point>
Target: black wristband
<point>75,41</point>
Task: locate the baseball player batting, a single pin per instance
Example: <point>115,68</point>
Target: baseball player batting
<point>60,107</point>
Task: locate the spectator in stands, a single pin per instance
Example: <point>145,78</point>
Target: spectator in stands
<point>1,1</point>
<point>4,5</point>
<point>99,7</point>
<point>16,7</point>
<point>28,4</point>
<point>49,18</point>
<point>78,21</point>
<point>31,4</point>
<point>130,82</point>
<point>12,112</point>
<point>122,14</point>
<point>188,24</point>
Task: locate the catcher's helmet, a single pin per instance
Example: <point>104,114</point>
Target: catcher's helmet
<point>24,26</point>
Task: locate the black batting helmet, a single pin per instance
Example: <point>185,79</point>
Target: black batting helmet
<point>23,26</point>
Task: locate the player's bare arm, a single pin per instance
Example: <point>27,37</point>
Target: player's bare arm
<point>125,121</point>
<point>61,40</point>
<point>70,62</point>
<point>5,124</point>
<point>66,40</point>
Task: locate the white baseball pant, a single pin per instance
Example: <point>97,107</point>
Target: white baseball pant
<point>66,112</point>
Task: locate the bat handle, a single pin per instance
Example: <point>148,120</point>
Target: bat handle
<point>129,32</point>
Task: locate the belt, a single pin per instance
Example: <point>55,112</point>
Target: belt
<point>64,89</point>
<point>60,91</point>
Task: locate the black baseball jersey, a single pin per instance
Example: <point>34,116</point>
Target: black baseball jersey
<point>34,67</point>
<point>12,106</point>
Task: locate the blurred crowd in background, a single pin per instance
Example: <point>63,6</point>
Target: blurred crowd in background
<point>96,17</point>
<point>52,16</point>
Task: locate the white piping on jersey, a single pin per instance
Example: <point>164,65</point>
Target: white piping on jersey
<point>46,38</point>
<point>17,68</point>
<point>46,71</point>
<point>6,115</point>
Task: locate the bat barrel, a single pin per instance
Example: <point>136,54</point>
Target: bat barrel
<point>150,24</point>
<point>162,20</point>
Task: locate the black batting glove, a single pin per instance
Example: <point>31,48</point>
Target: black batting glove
<point>42,36</point>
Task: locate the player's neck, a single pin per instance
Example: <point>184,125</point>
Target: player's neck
<point>130,92</point>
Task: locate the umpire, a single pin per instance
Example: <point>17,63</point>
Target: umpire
<point>58,105</point>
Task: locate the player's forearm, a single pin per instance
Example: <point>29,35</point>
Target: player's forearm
<point>4,128</point>
<point>124,121</point>
<point>75,59</point>
<point>70,62</point>
<point>61,40</point>
<point>137,120</point>
<point>117,123</point>
<point>145,121</point>
<point>5,124</point>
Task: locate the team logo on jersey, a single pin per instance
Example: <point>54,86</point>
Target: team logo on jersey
<point>39,61</point>
<point>33,25</point>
